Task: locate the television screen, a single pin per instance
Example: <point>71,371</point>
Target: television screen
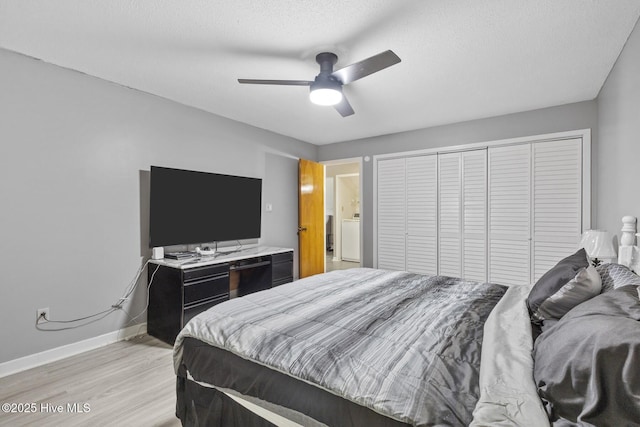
<point>189,207</point>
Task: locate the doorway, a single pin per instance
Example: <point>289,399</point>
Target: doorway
<point>343,199</point>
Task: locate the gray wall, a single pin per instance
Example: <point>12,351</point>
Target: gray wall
<point>581,115</point>
<point>75,153</point>
<point>618,176</point>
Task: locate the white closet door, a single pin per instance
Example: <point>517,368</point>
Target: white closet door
<point>422,214</point>
<point>391,216</point>
<point>557,202</point>
<point>509,215</point>
<point>450,176</point>
<point>474,215</point>
<point>505,214</point>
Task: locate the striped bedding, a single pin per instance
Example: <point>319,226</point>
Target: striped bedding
<point>407,346</point>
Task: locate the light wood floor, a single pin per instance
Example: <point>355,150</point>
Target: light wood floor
<point>339,265</point>
<point>129,383</point>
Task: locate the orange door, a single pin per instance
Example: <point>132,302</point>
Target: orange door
<point>311,218</point>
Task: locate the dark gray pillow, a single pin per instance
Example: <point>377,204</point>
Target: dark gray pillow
<point>615,276</point>
<point>571,282</point>
<point>587,366</point>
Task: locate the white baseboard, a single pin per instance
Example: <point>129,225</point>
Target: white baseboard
<point>48,356</point>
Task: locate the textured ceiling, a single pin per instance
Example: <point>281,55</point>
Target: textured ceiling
<point>461,60</point>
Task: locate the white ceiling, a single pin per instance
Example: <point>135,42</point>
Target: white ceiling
<point>461,59</point>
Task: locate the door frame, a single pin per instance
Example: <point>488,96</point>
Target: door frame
<point>351,160</point>
<point>337,255</point>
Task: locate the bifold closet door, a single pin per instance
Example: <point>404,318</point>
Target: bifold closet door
<point>463,214</point>
<point>407,214</point>
<point>422,214</point>
<point>391,214</point>
<point>557,202</point>
<point>449,206</point>
<point>509,215</point>
<point>505,214</point>
<point>474,215</point>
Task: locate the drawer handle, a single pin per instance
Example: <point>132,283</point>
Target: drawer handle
<point>206,301</point>
<point>206,279</point>
<point>246,266</point>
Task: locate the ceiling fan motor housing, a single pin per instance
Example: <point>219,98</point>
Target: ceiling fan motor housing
<point>326,81</point>
<point>326,60</point>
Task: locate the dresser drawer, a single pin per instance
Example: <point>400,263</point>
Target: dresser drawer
<point>283,270</point>
<point>281,281</point>
<point>191,312</point>
<point>284,257</point>
<point>197,291</point>
<point>198,273</point>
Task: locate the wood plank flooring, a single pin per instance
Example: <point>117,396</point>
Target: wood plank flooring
<point>339,265</point>
<point>128,383</point>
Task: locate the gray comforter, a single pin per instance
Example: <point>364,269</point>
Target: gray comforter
<point>405,345</point>
<point>587,366</point>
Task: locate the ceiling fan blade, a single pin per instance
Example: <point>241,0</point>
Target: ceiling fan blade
<point>367,66</point>
<point>343,107</point>
<point>276,82</point>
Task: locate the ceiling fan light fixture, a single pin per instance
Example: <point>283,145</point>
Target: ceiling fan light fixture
<point>325,96</point>
<point>325,90</point>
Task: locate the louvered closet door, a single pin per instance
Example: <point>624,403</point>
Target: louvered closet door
<point>391,217</point>
<point>474,215</point>
<point>509,215</point>
<point>449,180</point>
<point>422,214</point>
<point>557,202</point>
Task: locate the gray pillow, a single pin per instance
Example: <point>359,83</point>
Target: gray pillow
<point>571,282</point>
<point>615,276</point>
<point>586,367</point>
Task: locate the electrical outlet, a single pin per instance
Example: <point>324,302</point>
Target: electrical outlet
<point>42,314</point>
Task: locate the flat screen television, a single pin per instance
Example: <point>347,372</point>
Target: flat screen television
<point>189,207</point>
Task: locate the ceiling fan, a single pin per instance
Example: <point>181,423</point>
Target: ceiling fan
<point>326,89</point>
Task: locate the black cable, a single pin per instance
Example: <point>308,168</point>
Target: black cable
<point>40,328</point>
<point>79,318</point>
<point>115,307</point>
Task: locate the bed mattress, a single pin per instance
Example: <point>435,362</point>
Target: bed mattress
<point>397,347</point>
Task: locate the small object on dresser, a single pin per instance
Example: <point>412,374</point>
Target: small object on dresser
<point>180,255</point>
<point>157,253</point>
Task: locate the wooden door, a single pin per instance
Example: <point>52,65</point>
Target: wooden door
<point>310,218</point>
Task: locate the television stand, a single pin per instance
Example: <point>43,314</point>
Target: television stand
<point>182,289</point>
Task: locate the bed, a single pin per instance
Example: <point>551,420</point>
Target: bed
<point>380,348</point>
